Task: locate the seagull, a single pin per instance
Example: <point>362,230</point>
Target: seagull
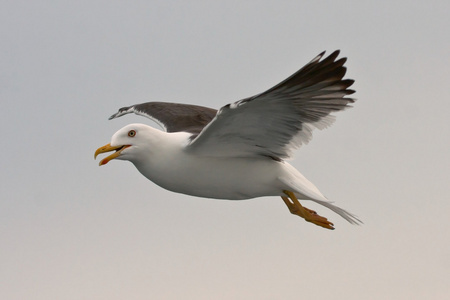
<point>240,151</point>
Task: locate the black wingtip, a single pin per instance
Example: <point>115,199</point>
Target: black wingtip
<point>117,114</point>
<point>335,52</point>
<point>332,56</point>
<point>123,111</point>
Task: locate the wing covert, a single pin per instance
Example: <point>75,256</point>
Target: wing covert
<point>172,117</point>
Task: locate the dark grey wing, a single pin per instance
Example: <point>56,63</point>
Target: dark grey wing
<point>172,117</point>
<point>281,119</point>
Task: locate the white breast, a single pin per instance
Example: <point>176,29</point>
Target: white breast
<point>169,166</point>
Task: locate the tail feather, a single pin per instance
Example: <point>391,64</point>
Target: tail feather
<point>306,190</point>
<point>351,218</point>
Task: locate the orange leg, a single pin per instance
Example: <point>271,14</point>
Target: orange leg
<point>309,215</point>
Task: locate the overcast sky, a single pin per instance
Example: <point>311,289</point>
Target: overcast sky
<point>72,230</point>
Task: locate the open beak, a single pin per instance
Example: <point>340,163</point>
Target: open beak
<point>108,148</point>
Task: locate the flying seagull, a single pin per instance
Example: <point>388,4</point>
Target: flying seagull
<point>240,151</point>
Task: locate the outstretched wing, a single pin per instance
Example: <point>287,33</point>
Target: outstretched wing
<point>172,117</point>
<point>281,119</point>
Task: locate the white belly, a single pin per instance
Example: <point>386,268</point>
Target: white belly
<point>219,178</point>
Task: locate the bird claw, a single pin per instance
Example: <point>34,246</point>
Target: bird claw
<point>308,214</point>
<point>314,218</point>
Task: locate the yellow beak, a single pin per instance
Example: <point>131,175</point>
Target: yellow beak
<point>108,148</point>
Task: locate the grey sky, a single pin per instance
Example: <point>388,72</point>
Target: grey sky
<point>72,230</point>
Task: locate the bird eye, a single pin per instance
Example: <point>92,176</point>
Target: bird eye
<point>131,133</point>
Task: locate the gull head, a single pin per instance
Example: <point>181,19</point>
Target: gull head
<point>129,143</point>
